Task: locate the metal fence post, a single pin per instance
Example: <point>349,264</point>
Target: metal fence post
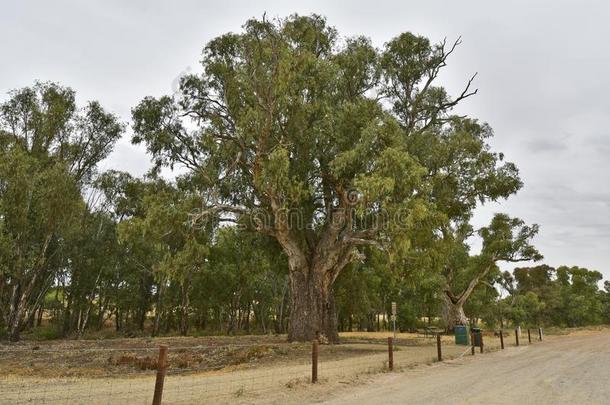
<point>517,336</point>
<point>501,340</point>
<point>390,353</point>
<point>161,371</point>
<point>540,334</point>
<point>439,351</point>
<point>314,361</point>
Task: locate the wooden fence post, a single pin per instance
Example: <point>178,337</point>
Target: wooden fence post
<point>540,334</point>
<point>517,336</point>
<point>501,340</point>
<point>439,351</point>
<point>472,342</point>
<point>481,340</point>
<point>314,361</point>
<point>390,353</point>
<point>161,371</point>
<point>529,335</point>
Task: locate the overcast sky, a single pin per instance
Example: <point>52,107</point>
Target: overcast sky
<point>544,82</point>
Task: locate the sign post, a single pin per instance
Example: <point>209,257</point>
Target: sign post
<point>394,318</point>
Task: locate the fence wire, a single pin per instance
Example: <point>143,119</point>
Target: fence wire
<point>191,376</point>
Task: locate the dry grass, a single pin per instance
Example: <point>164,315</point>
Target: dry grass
<point>247,382</point>
<point>91,358</point>
<point>133,356</point>
<point>128,356</point>
<point>224,370</point>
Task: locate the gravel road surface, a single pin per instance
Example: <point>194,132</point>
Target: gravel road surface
<point>563,370</point>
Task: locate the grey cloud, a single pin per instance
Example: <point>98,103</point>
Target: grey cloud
<point>546,145</point>
<point>599,144</point>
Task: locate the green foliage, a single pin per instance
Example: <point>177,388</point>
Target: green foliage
<point>543,295</point>
<point>286,115</point>
<point>304,153</point>
<point>49,155</point>
<point>46,332</point>
<point>407,317</point>
<point>360,293</point>
<point>359,142</point>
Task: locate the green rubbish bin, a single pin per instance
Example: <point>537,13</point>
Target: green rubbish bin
<point>462,335</point>
<point>476,332</point>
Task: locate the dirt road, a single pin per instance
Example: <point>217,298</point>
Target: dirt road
<point>563,370</point>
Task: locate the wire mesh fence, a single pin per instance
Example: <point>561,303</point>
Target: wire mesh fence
<point>193,375</point>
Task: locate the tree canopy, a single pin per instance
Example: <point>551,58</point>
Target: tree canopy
<point>50,151</point>
<point>322,144</point>
<point>321,178</point>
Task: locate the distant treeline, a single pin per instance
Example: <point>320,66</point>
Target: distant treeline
<point>81,251</point>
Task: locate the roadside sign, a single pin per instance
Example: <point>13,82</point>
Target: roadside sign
<point>394,318</point>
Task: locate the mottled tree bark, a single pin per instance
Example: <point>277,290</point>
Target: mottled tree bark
<point>312,308</point>
<point>453,312</point>
<point>453,305</point>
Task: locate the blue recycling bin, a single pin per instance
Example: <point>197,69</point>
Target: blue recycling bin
<point>462,335</point>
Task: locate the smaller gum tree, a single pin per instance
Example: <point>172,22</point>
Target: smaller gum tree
<point>505,239</point>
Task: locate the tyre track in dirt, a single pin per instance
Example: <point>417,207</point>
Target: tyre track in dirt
<point>560,370</point>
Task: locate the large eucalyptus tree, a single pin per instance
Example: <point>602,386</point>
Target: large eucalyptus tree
<point>314,140</point>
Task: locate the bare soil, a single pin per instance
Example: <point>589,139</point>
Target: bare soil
<point>118,357</point>
<point>220,368</point>
<point>266,369</point>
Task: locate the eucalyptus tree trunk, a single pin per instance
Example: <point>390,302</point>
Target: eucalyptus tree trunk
<point>23,299</point>
<point>453,311</point>
<point>453,305</point>
<point>16,313</point>
<point>19,308</point>
<point>313,268</point>
<point>312,307</point>
<point>184,311</point>
<point>158,308</point>
<point>280,321</point>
